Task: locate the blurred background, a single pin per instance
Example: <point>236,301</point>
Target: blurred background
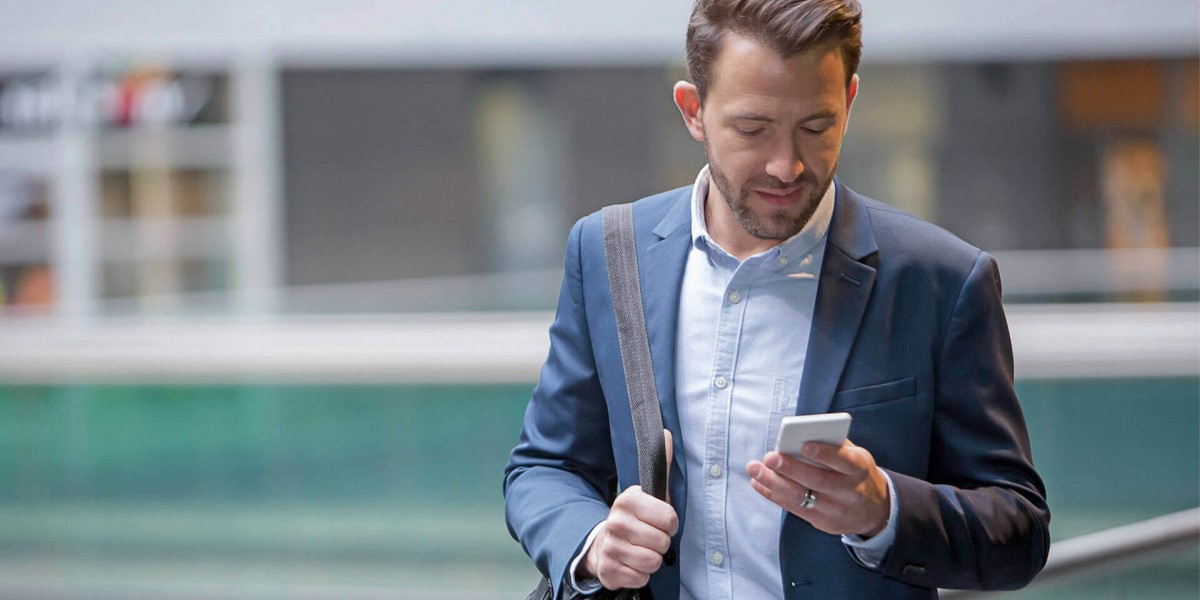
<point>275,276</point>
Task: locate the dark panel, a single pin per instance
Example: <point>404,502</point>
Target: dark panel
<point>379,175</point>
<point>615,120</point>
<point>999,166</point>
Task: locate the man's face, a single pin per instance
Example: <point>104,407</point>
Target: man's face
<point>772,129</point>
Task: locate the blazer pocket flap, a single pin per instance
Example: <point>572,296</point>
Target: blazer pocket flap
<point>872,394</point>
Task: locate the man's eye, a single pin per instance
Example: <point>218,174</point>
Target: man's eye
<point>816,130</point>
<point>749,132</point>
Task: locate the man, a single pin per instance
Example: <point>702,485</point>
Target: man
<point>772,289</point>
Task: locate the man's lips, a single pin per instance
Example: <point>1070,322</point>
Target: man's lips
<point>779,198</point>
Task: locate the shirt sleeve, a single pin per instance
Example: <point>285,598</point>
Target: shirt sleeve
<point>871,552</point>
<point>587,586</point>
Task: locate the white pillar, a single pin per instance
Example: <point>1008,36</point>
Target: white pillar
<point>73,248</point>
<point>257,214</point>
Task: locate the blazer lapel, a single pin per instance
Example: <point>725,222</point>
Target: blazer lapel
<point>842,294</point>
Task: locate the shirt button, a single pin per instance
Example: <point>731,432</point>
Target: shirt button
<point>720,382</point>
<point>734,297</point>
<point>782,261</point>
<point>715,470</point>
<point>717,558</point>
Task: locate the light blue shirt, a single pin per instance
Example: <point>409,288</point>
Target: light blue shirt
<point>731,399</point>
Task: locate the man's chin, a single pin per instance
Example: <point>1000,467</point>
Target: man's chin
<point>775,227</point>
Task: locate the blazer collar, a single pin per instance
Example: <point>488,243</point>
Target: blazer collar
<point>850,231</point>
<point>679,215</point>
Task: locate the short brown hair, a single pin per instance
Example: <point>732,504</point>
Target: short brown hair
<point>789,27</point>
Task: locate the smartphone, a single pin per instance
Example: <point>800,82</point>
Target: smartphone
<point>794,432</point>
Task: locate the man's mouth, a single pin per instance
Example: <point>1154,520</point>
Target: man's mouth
<point>780,198</point>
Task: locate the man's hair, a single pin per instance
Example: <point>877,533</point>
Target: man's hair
<point>789,27</point>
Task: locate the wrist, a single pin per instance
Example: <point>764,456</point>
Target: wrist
<point>587,568</point>
<point>875,530</point>
<point>883,508</point>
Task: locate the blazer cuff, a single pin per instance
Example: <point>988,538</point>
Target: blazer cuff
<point>586,586</point>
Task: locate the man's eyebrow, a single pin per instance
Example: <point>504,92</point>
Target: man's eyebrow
<point>752,117</point>
<point>825,114</point>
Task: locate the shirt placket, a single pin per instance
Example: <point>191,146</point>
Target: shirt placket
<point>717,423</point>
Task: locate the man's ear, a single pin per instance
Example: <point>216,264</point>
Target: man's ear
<point>851,94</point>
<point>687,98</point>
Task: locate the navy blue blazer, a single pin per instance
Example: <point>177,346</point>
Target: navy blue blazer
<point>908,335</point>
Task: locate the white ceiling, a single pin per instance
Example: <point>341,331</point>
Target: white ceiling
<point>480,32</point>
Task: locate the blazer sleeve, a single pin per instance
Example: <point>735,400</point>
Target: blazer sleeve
<point>980,519</point>
<point>557,479</point>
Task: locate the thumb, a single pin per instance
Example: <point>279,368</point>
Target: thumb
<point>670,448</point>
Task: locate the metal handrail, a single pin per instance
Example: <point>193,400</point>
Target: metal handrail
<point>1111,549</point>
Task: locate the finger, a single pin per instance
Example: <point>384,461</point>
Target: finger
<point>771,495</point>
<point>617,576</point>
<point>789,495</point>
<point>648,509</point>
<point>638,558</point>
<point>626,529</point>
<point>845,458</point>
<point>822,516</point>
<point>810,476</point>
<point>773,486</point>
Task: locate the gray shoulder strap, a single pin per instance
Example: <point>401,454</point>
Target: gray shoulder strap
<point>620,256</point>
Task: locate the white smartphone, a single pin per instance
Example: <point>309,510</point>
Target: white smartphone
<point>794,432</point>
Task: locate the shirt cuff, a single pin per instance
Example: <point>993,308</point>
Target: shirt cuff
<point>591,586</point>
<point>872,551</point>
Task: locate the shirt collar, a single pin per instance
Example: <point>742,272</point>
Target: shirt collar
<point>795,247</point>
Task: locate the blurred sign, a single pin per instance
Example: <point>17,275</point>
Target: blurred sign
<point>128,97</point>
<point>153,96</point>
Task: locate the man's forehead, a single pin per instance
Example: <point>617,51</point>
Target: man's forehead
<point>748,69</point>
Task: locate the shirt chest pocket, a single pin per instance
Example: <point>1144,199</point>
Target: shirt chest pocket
<point>783,404</point>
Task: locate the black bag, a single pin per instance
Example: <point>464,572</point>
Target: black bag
<point>620,254</point>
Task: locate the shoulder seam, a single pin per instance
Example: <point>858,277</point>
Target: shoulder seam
<point>958,301</point>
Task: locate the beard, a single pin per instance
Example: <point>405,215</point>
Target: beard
<point>774,223</point>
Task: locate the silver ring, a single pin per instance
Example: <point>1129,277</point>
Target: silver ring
<point>809,501</point>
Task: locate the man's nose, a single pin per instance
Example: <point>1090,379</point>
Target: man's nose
<point>785,163</point>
